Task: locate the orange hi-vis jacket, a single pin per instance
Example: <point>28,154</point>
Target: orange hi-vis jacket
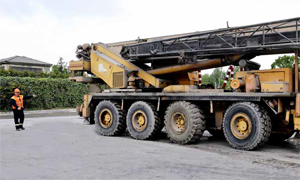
<point>19,101</point>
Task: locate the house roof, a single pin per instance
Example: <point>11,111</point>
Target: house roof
<point>22,60</point>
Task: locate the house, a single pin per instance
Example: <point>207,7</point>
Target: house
<point>22,63</point>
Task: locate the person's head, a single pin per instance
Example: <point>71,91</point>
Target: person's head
<point>17,92</point>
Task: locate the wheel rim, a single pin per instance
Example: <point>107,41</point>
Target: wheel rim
<point>105,118</point>
<point>178,123</point>
<point>139,120</point>
<point>241,125</point>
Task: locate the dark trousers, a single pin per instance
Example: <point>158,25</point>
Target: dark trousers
<point>18,115</point>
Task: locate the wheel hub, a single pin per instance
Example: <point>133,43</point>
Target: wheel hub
<point>139,120</point>
<point>105,118</point>
<point>178,122</point>
<point>241,125</point>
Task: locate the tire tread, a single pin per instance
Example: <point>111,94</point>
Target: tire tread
<point>157,122</point>
<point>197,120</point>
<point>264,120</point>
<point>121,126</point>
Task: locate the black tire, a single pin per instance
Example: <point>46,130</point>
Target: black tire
<point>117,125</point>
<point>259,121</point>
<point>152,123</point>
<point>194,119</point>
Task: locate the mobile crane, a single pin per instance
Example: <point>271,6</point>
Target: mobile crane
<point>154,83</point>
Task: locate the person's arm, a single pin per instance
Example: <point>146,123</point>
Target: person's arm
<point>27,97</point>
<point>13,102</point>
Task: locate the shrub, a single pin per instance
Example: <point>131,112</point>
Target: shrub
<point>51,93</point>
<point>13,73</point>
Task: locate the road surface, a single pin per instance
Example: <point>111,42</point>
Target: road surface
<point>65,148</point>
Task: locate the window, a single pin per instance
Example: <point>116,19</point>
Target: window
<point>26,69</point>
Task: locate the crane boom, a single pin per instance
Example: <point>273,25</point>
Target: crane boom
<point>264,38</point>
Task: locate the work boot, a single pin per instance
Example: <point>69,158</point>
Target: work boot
<point>22,128</point>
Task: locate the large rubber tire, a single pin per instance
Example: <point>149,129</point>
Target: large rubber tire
<point>118,124</point>
<point>151,128</point>
<point>260,126</point>
<point>193,117</point>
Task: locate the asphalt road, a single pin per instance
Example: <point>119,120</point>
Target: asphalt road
<point>64,148</point>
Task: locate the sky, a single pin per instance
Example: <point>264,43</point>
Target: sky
<point>48,29</point>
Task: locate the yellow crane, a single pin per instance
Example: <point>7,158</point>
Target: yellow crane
<point>154,83</point>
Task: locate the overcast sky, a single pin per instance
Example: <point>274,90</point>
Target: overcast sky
<point>49,29</point>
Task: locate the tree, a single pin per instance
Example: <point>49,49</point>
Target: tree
<point>61,67</point>
<point>206,79</point>
<point>217,77</point>
<point>284,62</point>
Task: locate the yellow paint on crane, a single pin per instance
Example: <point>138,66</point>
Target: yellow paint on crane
<point>113,69</point>
<point>80,65</point>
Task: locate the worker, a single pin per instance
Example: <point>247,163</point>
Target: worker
<point>18,107</point>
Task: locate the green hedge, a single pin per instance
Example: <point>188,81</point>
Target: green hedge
<point>15,73</point>
<point>51,93</point>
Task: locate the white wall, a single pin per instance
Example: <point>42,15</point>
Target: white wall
<point>44,69</point>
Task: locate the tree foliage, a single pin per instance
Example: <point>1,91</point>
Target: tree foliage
<point>61,67</point>
<point>216,78</point>
<point>284,62</point>
<point>206,79</point>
